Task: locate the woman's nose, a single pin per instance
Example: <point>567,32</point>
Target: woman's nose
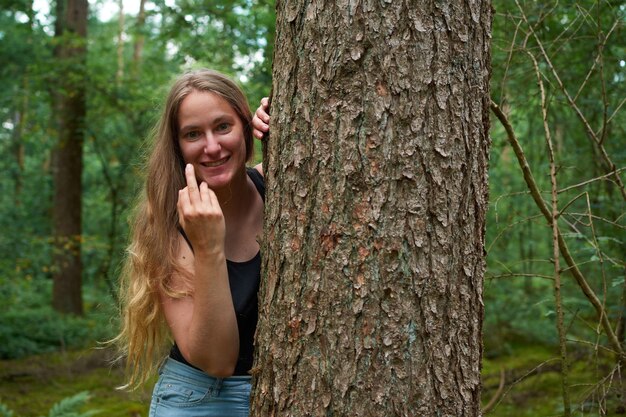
<point>211,145</point>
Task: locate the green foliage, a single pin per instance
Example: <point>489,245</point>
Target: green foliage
<point>4,411</point>
<point>582,44</point>
<point>67,407</point>
<point>29,332</point>
<point>29,325</point>
<point>578,50</point>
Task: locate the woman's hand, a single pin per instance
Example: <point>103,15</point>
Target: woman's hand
<point>200,215</point>
<point>261,119</point>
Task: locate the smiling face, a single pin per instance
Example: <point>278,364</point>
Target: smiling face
<point>211,138</point>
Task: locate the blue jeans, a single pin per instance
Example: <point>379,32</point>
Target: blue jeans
<point>183,391</point>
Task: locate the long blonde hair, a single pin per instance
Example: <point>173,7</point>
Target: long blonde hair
<point>151,255</point>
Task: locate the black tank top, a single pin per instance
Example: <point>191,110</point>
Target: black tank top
<point>244,279</point>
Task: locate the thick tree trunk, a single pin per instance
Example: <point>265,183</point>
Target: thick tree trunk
<point>70,108</point>
<point>374,225</point>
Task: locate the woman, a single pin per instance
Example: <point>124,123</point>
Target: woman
<point>193,266</point>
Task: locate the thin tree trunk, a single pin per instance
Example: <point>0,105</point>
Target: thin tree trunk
<point>20,119</point>
<point>371,302</point>
<point>139,37</point>
<point>120,44</point>
<point>70,109</point>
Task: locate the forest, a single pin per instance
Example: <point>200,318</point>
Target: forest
<point>80,96</point>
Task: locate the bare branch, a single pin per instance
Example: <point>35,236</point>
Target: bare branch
<point>615,172</point>
<point>534,191</point>
<point>515,275</point>
<point>567,408</point>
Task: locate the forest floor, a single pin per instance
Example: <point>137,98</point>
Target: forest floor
<point>31,386</point>
<point>531,387</point>
<point>531,381</point>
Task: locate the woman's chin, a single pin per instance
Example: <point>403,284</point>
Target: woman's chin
<point>223,181</point>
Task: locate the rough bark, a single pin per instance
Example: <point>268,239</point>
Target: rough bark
<point>371,301</point>
<point>70,110</point>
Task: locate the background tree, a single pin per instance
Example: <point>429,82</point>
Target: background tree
<point>70,111</point>
<point>374,224</point>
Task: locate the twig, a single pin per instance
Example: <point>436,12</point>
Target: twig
<point>593,216</point>
<point>509,226</point>
<point>523,377</point>
<point>523,275</point>
<point>492,402</point>
<point>615,172</point>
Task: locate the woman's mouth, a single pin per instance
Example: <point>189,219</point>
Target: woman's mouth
<point>212,164</point>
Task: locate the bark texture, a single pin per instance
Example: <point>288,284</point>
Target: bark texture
<point>371,302</point>
<point>70,109</point>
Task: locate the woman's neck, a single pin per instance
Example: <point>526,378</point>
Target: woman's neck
<point>235,198</point>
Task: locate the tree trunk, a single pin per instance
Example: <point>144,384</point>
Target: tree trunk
<point>21,115</point>
<point>70,109</point>
<point>119,75</point>
<point>371,301</point>
<point>139,37</point>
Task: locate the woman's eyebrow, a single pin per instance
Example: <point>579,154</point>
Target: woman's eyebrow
<point>216,120</point>
<point>223,118</point>
<point>188,127</point>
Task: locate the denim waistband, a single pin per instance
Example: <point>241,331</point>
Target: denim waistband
<point>172,366</point>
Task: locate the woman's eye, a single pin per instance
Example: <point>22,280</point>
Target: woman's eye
<point>192,135</point>
<point>223,127</point>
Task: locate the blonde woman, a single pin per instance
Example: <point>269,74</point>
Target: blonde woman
<point>192,274</point>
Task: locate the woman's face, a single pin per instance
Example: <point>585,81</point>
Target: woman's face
<point>211,138</point>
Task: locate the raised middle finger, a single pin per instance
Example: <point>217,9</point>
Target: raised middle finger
<point>192,185</point>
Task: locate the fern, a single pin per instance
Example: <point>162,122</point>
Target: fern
<point>4,411</point>
<point>68,407</point>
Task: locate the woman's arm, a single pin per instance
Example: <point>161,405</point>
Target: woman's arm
<point>203,324</point>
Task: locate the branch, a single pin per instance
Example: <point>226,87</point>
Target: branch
<point>615,172</point>
<point>573,268</point>
<point>555,246</point>
<point>494,400</point>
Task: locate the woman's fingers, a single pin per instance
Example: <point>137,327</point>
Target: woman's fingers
<point>202,221</point>
<point>192,185</point>
<point>261,119</point>
<point>205,194</point>
<point>213,199</point>
<point>182,205</point>
<point>263,110</point>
